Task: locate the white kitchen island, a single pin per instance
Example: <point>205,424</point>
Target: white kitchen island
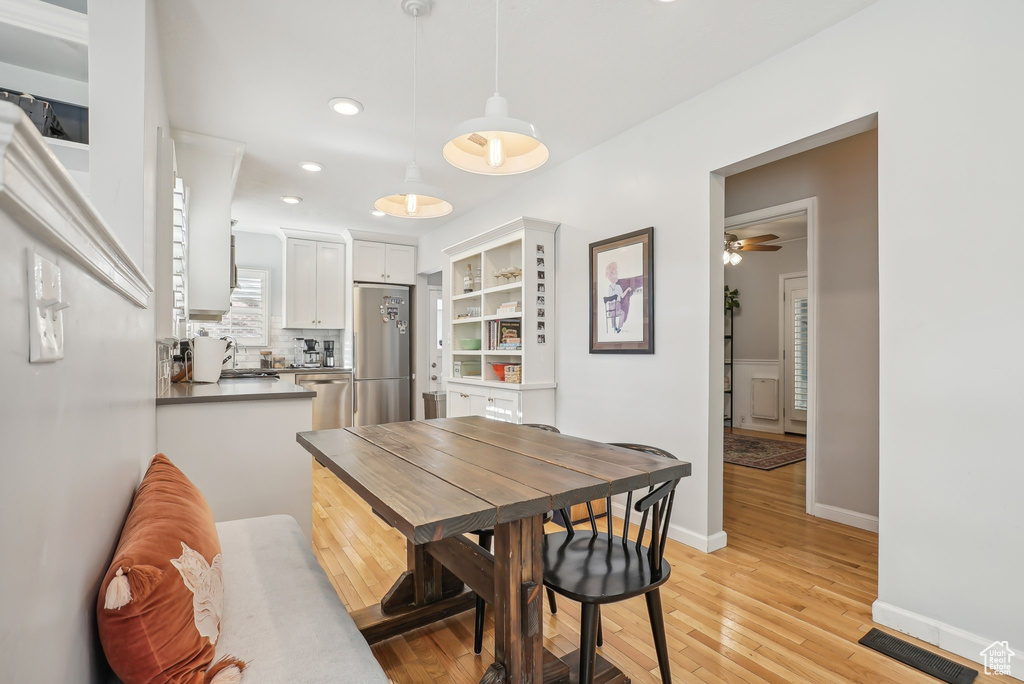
<point>235,440</point>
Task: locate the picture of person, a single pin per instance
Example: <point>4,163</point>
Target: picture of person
<point>540,326</point>
<point>540,275</point>
<point>541,339</point>
<point>540,288</point>
<point>540,300</point>
<point>540,250</point>
<point>540,313</point>
<point>617,297</point>
<point>540,262</point>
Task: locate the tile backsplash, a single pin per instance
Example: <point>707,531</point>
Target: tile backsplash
<point>282,343</point>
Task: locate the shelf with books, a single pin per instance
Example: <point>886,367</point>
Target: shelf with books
<point>514,312</point>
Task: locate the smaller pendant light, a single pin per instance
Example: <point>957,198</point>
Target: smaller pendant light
<point>495,144</point>
<point>413,198</point>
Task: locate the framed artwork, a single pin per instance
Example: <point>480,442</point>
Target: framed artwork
<point>622,294</point>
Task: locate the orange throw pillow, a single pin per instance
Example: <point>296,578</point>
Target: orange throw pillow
<point>160,602</point>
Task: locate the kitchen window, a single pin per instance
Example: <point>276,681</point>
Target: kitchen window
<point>248,318</point>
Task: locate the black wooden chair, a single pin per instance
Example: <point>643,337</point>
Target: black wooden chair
<point>599,568</point>
<point>485,537</point>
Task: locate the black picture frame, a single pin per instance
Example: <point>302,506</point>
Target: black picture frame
<point>605,313</point>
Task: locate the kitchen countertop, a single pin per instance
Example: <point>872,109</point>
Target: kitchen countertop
<point>311,370</point>
<point>233,389</point>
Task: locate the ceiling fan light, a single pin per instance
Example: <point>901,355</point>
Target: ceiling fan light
<point>735,258</point>
<point>725,257</point>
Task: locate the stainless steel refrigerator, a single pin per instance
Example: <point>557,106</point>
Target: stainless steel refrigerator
<point>381,334</point>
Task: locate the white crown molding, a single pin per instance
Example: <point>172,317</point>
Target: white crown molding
<point>39,193</point>
<point>387,238</point>
<point>314,235</point>
<point>46,19</point>
<point>506,229</point>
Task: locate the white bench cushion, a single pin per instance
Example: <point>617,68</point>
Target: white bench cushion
<point>281,613</point>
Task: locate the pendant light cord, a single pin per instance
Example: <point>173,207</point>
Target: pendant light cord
<point>415,48</point>
<point>496,15</point>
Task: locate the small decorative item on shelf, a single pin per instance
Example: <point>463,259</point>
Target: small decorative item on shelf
<point>509,273</point>
<point>514,373</point>
<point>467,282</point>
<point>471,343</point>
<point>478,281</point>
<point>474,311</point>
<point>509,308</point>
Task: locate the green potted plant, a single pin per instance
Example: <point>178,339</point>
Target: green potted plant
<point>732,299</point>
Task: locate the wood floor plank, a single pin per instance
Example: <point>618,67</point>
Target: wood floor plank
<point>786,601</point>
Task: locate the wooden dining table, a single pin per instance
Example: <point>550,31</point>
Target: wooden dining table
<point>435,480</point>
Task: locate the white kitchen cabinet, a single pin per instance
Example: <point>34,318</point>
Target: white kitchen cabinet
<point>330,285</point>
<point>401,264</point>
<point>314,284</point>
<point>379,262</point>
<point>469,400</point>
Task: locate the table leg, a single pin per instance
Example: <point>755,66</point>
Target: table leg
<point>518,597</point>
<point>425,593</point>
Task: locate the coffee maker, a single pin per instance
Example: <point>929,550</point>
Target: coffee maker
<point>328,353</point>
<point>312,356</point>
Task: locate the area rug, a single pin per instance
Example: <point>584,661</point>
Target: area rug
<point>761,453</point>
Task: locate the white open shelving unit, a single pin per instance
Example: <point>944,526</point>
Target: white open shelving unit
<point>526,244</point>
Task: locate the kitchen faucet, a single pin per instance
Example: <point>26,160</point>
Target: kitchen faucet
<point>234,351</point>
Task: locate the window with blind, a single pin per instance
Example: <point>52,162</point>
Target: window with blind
<point>248,318</point>
<point>800,353</point>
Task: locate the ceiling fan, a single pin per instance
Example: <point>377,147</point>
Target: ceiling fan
<point>735,245</point>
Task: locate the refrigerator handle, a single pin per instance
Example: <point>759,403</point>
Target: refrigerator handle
<point>355,393</point>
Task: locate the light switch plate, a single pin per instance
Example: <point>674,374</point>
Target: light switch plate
<point>45,310</point>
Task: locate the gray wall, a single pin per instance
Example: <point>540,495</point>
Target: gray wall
<point>757,278</point>
<point>844,178</point>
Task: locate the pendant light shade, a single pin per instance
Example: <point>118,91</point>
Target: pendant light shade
<point>413,198</point>
<point>495,144</point>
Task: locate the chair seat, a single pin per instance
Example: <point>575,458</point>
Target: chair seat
<point>591,569</point>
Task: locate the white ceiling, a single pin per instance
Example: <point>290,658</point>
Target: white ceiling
<point>582,71</point>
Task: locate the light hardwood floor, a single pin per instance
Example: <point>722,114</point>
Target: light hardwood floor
<point>785,602</point>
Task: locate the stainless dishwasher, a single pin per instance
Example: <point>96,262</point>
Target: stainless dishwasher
<point>332,405</point>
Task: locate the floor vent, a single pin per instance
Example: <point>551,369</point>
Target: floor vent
<point>918,658</point>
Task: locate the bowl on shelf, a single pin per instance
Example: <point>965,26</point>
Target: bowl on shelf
<point>502,371</point>
<point>471,343</point>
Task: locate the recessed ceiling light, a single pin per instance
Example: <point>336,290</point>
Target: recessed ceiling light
<point>346,106</point>
<point>290,199</point>
<point>376,212</point>
<point>311,166</point>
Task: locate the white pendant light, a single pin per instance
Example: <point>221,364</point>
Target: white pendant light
<point>413,198</point>
<point>495,144</point>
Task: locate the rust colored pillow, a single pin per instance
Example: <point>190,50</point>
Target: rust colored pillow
<point>160,602</point>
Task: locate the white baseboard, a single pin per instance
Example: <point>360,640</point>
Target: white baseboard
<point>846,517</point>
<point>695,540</point>
<point>770,429</point>
<point>945,636</point>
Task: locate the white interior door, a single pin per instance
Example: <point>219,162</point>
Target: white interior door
<point>436,337</point>
<point>796,354</point>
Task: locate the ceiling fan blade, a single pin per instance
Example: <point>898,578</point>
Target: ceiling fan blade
<point>760,248</point>
<point>759,238</point>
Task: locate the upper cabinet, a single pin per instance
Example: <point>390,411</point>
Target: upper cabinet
<point>314,284</point>
<point>378,262</point>
<point>209,167</point>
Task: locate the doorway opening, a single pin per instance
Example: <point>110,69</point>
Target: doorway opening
<point>800,236</point>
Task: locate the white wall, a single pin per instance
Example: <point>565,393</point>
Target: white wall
<point>117,102</point>
<point>939,74</point>
<point>76,433</point>
<point>844,178</point>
